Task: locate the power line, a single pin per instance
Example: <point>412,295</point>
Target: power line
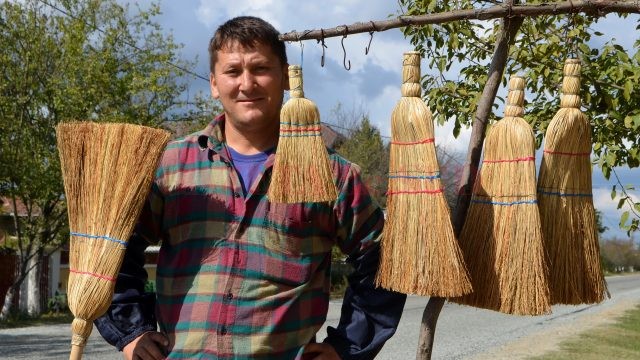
<point>181,68</point>
<point>350,129</point>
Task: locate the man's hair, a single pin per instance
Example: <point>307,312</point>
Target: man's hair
<point>248,31</point>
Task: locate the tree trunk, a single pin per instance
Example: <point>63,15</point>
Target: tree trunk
<point>8,302</point>
<point>17,283</point>
<point>505,38</point>
<point>33,287</point>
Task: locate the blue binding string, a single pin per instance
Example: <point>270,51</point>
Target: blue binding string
<point>505,203</point>
<point>99,237</point>
<point>563,194</point>
<point>296,124</point>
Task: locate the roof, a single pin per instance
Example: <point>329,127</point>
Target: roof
<point>6,207</point>
<point>330,137</point>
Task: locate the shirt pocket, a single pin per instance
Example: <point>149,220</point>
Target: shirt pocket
<point>292,232</point>
<point>195,214</point>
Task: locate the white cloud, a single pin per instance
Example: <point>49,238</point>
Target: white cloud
<point>609,207</point>
<point>212,14</point>
<point>603,202</point>
<point>381,107</point>
<point>445,138</point>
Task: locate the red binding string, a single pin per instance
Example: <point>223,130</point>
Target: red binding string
<point>415,192</point>
<point>301,129</point>
<point>566,153</point>
<point>94,275</point>
<point>425,141</point>
<point>530,158</point>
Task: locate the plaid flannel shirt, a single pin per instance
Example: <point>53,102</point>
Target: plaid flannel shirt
<point>242,277</point>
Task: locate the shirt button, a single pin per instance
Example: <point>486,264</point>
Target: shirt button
<point>236,194</point>
<point>223,330</point>
<point>228,297</point>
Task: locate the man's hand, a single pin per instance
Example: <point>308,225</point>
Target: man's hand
<point>151,345</point>
<point>320,352</point>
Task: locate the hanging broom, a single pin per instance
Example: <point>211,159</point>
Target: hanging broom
<point>107,171</point>
<point>420,254</point>
<point>301,171</point>
<point>502,237</point>
<point>566,202</point>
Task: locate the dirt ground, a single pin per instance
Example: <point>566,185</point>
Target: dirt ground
<point>547,340</point>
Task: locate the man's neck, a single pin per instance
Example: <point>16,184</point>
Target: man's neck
<point>248,142</point>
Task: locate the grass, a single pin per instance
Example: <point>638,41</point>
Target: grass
<point>23,320</point>
<point>620,340</point>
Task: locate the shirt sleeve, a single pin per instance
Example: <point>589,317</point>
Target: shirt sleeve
<point>370,315</point>
<point>132,310</point>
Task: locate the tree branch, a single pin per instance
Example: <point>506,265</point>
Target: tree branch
<point>599,7</point>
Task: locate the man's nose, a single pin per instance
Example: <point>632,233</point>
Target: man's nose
<point>247,80</point>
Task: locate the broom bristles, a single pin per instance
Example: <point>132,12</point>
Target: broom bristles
<point>107,171</point>
<point>566,201</point>
<point>501,238</point>
<point>420,254</point>
<point>302,170</point>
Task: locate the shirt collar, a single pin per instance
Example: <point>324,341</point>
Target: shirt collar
<point>213,138</point>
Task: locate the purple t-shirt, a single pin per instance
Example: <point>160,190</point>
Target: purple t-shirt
<point>248,167</point>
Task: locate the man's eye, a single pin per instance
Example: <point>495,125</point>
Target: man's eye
<point>232,72</point>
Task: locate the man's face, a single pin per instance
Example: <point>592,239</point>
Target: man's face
<point>250,84</point>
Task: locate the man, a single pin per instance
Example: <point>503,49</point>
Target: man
<point>239,277</point>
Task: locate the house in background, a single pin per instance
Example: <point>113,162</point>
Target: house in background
<point>49,279</point>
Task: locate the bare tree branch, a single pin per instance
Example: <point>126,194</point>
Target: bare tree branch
<point>596,7</point>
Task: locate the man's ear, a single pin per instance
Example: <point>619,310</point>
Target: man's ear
<point>214,87</point>
<point>285,77</point>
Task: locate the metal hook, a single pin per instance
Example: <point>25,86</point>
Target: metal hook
<point>323,46</point>
<point>344,51</point>
<point>366,50</point>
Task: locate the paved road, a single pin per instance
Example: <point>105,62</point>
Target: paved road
<point>463,332</point>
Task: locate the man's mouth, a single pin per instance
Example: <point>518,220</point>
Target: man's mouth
<point>249,100</point>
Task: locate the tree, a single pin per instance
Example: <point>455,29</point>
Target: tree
<point>67,60</point>
<point>364,146</point>
<point>197,115</point>
<point>620,255</point>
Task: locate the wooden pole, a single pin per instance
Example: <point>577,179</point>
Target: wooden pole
<point>506,10</point>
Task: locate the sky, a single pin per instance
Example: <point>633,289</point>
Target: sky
<point>373,82</point>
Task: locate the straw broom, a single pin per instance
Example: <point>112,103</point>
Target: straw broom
<point>502,237</point>
<point>420,254</point>
<point>301,171</point>
<point>566,201</point>
<point>107,171</point>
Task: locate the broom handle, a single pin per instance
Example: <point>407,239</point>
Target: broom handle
<point>76,352</point>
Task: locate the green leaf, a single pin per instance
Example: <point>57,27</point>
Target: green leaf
<point>621,203</point>
<point>613,192</point>
<point>628,87</point>
<point>624,218</point>
<point>636,121</point>
<point>597,146</point>
<point>628,122</point>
